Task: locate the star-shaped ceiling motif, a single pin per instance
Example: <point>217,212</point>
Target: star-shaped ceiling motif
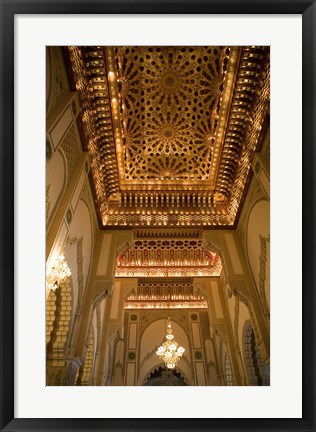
<point>171,131</point>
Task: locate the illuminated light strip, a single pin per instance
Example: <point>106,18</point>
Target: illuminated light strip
<point>166,305</point>
<point>168,272</point>
<point>220,133</point>
<point>115,108</point>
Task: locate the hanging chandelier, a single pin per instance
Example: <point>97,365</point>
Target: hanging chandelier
<point>170,351</point>
<point>57,273</point>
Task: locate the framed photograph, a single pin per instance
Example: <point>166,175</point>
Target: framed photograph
<point>176,253</point>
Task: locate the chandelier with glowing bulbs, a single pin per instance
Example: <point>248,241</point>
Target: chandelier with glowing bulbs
<point>57,273</point>
<point>170,351</point>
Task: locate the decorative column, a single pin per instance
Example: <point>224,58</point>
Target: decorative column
<point>230,340</point>
<point>87,308</point>
<point>104,341</point>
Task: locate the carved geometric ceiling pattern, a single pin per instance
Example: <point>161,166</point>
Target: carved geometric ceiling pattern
<point>169,98</point>
<point>171,131</point>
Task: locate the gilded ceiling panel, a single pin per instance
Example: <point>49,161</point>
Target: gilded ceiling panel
<point>171,131</point>
<point>169,99</point>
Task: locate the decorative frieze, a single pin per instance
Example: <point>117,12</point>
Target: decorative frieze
<point>156,293</point>
<point>80,274</point>
<point>103,288</point>
<point>264,243</point>
<point>48,202</point>
<point>236,321</point>
<point>72,151</point>
<point>160,257</point>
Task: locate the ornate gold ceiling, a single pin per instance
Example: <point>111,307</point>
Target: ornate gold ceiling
<point>171,130</point>
<point>168,99</point>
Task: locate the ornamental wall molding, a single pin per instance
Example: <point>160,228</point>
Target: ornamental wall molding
<point>104,287</point>
<point>87,341</point>
<point>215,248</point>
<point>80,276</point>
<point>48,202</point>
<point>80,273</point>
<point>122,249</point>
<point>99,326</point>
<point>236,322</point>
<point>115,332</point>
<point>86,196</point>
<point>238,288</point>
<point>114,336</point>
<point>241,296</point>
<point>264,243</point>
<point>70,147</point>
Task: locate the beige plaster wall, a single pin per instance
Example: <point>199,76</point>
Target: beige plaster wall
<point>55,182</point>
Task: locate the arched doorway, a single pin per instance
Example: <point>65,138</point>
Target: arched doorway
<point>165,377</point>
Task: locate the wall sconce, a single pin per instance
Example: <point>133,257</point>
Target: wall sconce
<point>57,273</point>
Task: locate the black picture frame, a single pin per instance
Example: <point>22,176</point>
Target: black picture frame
<point>8,10</point>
